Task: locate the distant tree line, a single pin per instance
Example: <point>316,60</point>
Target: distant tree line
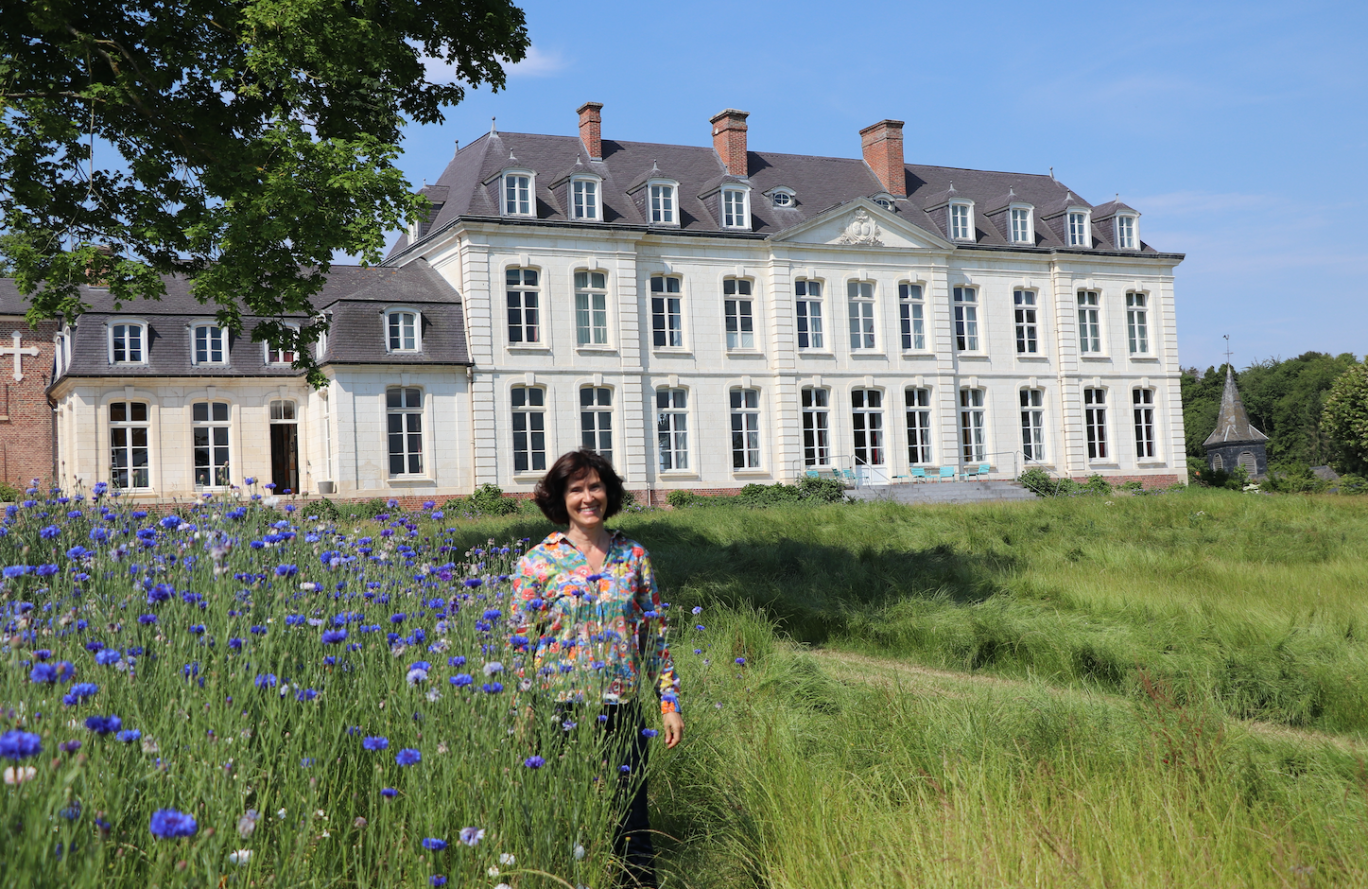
<point>1313,408</point>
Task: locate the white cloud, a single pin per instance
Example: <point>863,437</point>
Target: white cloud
<point>536,64</point>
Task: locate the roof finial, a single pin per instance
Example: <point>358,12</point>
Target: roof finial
<point>492,130</point>
<point>1227,339</point>
<point>654,168</point>
<point>1011,191</point>
<point>952,187</point>
<point>1051,172</point>
<point>510,155</point>
<point>458,146</point>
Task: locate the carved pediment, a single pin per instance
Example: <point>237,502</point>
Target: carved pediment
<point>861,224</point>
<point>861,230</point>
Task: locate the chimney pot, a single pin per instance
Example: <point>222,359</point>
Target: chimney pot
<point>591,129</point>
<point>729,140</point>
<point>883,152</point>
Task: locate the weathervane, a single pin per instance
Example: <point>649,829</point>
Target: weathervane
<point>1227,339</point>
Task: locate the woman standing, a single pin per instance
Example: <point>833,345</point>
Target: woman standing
<point>586,600</point>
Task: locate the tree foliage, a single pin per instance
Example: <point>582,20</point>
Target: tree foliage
<point>238,142</point>
<point>1346,415</point>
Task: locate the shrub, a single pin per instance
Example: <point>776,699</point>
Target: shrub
<point>760,496</point>
<point>1293,478</point>
<point>1096,484</point>
<point>489,500</point>
<point>1042,484</point>
<point>367,509</point>
<point>822,490</point>
<point>325,510</point>
<point>10,494</point>
<point>682,499</point>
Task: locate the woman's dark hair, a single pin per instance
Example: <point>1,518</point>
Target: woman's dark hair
<point>550,492</point>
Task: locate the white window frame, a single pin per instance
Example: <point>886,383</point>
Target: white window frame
<point>128,426</point>
<point>867,427</point>
<point>1089,322</point>
<point>275,357</point>
<point>1032,403</point>
<point>662,202</point>
<point>209,331</point>
<point>1078,227</point>
<point>591,309</point>
<point>965,302</point>
<point>912,315</point>
<point>142,328</point>
<point>596,435</point>
<point>1025,303</point>
<point>1142,418</point>
<point>783,198</point>
<point>586,198</point>
<point>1095,423</point>
<point>672,429</point>
<point>527,409</point>
<point>816,408</point>
<point>920,431</point>
<point>1127,230</point>
<point>744,413</point>
<point>523,200</point>
<point>387,325</point>
<point>810,331</point>
<point>861,315</point>
<point>738,311</point>
<point>1137,322</point>
<point>973,421</point>
<point>1021,223</point>
<point>220,470</point>
<point>961,220</point>
<point>884,200</point>
<point>736,207</point>
<point>667,311</point>
<point>325,415</point>
<point>410,426</point>
<point>522,302</point>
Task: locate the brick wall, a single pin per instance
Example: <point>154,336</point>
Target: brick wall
<point>26,428</point>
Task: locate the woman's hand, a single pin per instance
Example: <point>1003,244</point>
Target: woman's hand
<point>674,729</point>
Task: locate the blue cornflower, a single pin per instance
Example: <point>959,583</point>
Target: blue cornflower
<point>432,844</point>
<point>534,762</point>
<point>306,694</point>
<point>461,680</point>
<point>456,661</point>
<point>169,824</point>
<point>17,745</point>
<point>286,570</point>
<point>43,673</point>
<point>388,792</point>
<point>103,725</point>
<point>265,680</point>
<point>697,609</point>
<point>49,532</point>
<point>106,656</point>
<point>741,662</point>
<point>408,756</point>
<point>129,735</point>
<point>331,637</point>
<point>649,732</point>
<point>197,629</point>
<point>437,880</point>
<point>374,742</point>
<point>492,688</point>
<point>12,571</point>
<point>473,582</point>
<point>471,836</point>
<point>147,619</point>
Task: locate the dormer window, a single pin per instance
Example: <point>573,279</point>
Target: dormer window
<point>1023,224</point>
<point>736,208</point>
<point>1080,228</point>
<point>211,344</point>
<point>782,197</point>
<point>884,200</point>
<point>517,193</point>
<point>584,193</point>
<point>663,200</point>
<point>280,356</point>
<point>403,330</point>
<point>128,343</point>
<point>1126,226</point>
<point>961,221</point>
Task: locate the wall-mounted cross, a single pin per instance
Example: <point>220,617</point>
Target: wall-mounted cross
<point>17,352</point>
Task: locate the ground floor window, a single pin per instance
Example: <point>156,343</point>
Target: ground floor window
<point>404,417</point>
<point>918,404</point>
<point>128,465</point>
<point>529,429</point>
<point>745,428</point>
<point>210,421</point>
<point>971,425</point>
<point>1033,424</point>
<point>672,428</point>
<point>816,428</point>
<point>596,420</point>
<point>1095,422</point>
<point>866,413</point>
<point>1143,403</point>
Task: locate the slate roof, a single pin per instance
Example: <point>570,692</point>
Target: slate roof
<point>1232,424</point>
<point>353,297</point>
<point>469,189</point>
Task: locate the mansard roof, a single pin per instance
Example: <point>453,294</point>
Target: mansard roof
<point>1232,424</point>
<point>471,183</point>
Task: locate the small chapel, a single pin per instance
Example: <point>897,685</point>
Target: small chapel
<point>1235,442</point>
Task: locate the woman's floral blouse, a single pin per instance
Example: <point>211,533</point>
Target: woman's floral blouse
<point>592,635</point>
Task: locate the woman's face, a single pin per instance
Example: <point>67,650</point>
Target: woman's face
<point>586,498</point>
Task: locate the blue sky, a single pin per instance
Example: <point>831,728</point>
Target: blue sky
<point>1238,130</point>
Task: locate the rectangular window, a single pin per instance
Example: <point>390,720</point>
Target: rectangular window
<point>912,314</point>
<point>1089,329</point>
<point>1078,230</point>
<point>1026,341</point>
<point>966,319</point>
<point>281,356</point>
<point>1143,403</point>
<point>529,429</point>
<point>667,320</point>
<point>918,403</point>
<point>128,343</point>
<point>861,302</point>
<point>745,428</point>
<point>404,409</point>
<point>734,213</point>
<point>586,198</point>
<point>662,204</point>
<point>809,294</point>
<point>591,309</point>
<point>971,425</point>
<point>959,222</point>
<point>210,429</point>
<point>736,305</point>
<point>524,316</point>
<point>128,466</point>
<point>816,428</point>
<point>1021,225</point>
<point>518,195</point>
<point>403,331</point>
<point>1125,232</point>
<point>209,344</point>
<point>596,420</point>
<point>1137,323</point>
<point>1033,424</point>
<point>672,428</point>
<point>1095,422</point>
<point>866,415</point>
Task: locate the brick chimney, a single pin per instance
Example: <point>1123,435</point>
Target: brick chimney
<point>883,152</point>
<point>729,139</point>
<point>591,123</point>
